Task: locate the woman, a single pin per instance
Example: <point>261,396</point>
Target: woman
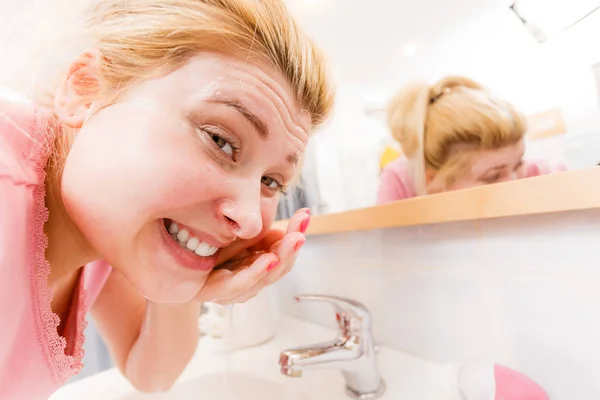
<point>454,135</point>
<point>140,176</point>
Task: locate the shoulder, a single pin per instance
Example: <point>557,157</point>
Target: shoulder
<point>398,168</point>
<point>23,125</point>
<point>543,167</point>
<point>395,182</point>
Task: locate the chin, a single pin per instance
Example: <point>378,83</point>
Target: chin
<point>150,270</point>
<point>159,281</point>
<point>167,291</point>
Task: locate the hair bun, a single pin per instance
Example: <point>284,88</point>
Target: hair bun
<point>445,85</point>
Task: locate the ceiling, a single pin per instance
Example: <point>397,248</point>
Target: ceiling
<point>365,40</point>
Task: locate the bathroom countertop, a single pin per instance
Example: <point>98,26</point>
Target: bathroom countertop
<point>406,376</point>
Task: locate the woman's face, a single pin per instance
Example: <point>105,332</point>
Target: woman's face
<point>182,166</point>
<point>483,167</point>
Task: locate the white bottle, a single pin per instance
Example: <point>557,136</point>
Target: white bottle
<point>243,325</point>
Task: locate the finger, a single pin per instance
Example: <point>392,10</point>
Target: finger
<point>236,247</point>
<point>271,237</point>
<point>289,246</point>
<point>299,221</point>
<point>260,243</point>
<point>287,252</point>
<point>242,244</point>
<point>238,300</point>
<point>245,259</point>
<point>240,280</point>
<point>215,279</point>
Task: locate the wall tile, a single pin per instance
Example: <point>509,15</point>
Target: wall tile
<point>524,292</point>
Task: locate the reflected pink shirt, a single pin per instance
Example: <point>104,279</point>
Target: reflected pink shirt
<point>396,183</point>
<point>34,360</point>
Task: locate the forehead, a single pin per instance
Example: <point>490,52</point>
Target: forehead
<point>505,156</point>
<point>221,75</point>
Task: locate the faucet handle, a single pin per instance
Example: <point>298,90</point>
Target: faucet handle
<point>351,314</point>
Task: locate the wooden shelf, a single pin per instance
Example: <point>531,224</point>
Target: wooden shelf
<point>566,191</point>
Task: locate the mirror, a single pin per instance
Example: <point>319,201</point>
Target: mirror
<point>525,101</point>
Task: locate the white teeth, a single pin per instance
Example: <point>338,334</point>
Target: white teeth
<point>173,228</point>
<point>192,244</point>
<point>186,240</point>
<point>202,249</point>
<point>205,250</point>
<point>183,235</point>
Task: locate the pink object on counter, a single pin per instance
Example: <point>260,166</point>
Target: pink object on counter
<point>512,385</point>
<point>487,381</point>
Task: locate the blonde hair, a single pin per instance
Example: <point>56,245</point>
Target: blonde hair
<point>139,39</point>
<point>433,123</point>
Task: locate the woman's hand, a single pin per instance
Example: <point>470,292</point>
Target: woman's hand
<point>247,266</point>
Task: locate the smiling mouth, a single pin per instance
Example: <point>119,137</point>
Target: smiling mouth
<point>187,240</point>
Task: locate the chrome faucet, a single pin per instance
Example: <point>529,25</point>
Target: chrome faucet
<point>352,351</point>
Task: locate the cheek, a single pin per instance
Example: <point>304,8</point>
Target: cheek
<point>464,182</point>
<point>140,167</point>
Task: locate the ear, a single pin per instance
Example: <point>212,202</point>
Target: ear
<point>429,176</point>
<point>432,184</point>
<point>73,101</point>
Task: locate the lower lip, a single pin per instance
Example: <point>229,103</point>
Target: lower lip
<point>185,257</point>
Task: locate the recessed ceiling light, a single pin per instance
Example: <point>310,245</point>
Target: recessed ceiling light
<point>409,50</point>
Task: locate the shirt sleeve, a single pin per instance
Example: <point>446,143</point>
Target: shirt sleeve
<point>391,187</point>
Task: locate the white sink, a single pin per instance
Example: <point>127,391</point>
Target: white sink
<point>253,374</point>
<point>225,386</point>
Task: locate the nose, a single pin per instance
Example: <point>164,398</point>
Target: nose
<point>243,214</point>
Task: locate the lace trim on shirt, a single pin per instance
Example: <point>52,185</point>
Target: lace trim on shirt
<point>63,365</point>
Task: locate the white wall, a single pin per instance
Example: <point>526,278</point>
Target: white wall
<point>523,292</point>
<point>498,51</point>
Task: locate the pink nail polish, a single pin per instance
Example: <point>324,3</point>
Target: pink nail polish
<point>304,225</point>
<point>273,265</point>
<point>299,244</point>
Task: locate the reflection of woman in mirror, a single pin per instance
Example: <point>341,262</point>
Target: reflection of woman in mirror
<point>454,135</point>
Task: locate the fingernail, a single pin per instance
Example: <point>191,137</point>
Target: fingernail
<point>304,225</point>
<point>299,244</point>
<point>273,265</point>
<point>308,211</point>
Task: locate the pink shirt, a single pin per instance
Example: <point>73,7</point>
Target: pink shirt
<point>396,183</point>
<point>33,363</point>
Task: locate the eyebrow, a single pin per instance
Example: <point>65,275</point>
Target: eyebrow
<point>258,124</point>
<point>293,159</point>
<point>500,167</point>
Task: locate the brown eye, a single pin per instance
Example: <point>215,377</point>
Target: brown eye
<point>492,179</point>
<point>270,182</point>
<point>222,144</point>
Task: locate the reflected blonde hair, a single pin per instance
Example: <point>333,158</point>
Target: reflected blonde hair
<point>433,123</point>
<point>140,39</point>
